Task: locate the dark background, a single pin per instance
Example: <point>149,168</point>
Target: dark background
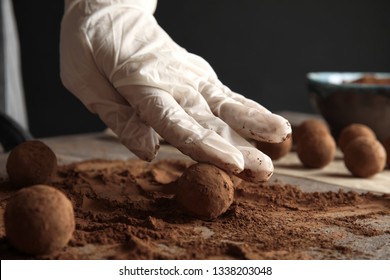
<point>259,48</point>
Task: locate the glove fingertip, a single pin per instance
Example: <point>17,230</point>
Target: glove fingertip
<point>146,155</point>
<point>258,166</point>
<point>146,150</point>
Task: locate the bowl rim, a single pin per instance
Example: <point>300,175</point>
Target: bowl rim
<point>341,79</point>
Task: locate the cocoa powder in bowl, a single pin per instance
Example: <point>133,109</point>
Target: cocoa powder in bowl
<point>371,80</point>
<point>31,163</point>
<point>39,220</point>
<point>204,191</point>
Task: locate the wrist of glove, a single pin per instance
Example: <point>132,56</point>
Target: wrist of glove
<point>120,63</point>
<point>148,6</point>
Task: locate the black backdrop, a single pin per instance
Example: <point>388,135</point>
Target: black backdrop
<point>260,48</point>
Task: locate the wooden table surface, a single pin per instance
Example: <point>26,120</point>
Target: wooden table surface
<point>105,146</point>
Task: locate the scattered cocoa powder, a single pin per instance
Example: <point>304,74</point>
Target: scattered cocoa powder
<point>120,215</point>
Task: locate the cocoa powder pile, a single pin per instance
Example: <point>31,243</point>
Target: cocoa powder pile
<point>123,212</point>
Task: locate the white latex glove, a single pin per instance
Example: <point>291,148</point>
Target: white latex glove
<point>120,63</point>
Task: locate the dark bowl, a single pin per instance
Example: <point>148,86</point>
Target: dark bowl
<point>360,97</point>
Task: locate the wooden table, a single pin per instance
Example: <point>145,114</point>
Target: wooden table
<point>105,146</point>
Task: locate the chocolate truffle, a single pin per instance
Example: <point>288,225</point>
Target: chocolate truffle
<point>275,150</point>
<point>316,149</point>
<point>39,220</point>
<point>31,163</point>
<point>311,126</point>
<point>386,145</point>
<point>204,191</point>
<point>364,156</point>
<point>353,131</point>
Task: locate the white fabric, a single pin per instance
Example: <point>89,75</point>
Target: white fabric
<point>146,5</point>
<point>119,62</point>
<point>14,95</point>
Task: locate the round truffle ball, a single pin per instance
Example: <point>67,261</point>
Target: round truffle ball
<point>39,220</point>
<point>316,149</point>
<point>31,163</point>
<point>204,191</point>
<point>386,145</point>
<point>364,157</point>
<point>310,126</point>
<point>353,131</point>
<point>275,150</point>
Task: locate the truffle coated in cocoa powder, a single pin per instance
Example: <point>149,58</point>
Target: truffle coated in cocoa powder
<point>386,145</point>
<point>316,149</point>
<point>39,220</point>
<point>275,150</point>
<point>364,157</point>
<point>311,126</point>
<point>204,191</point>
<point>31,163</point>
<point>353,131</point>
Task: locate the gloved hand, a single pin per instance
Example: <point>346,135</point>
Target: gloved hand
<point>120,63</point>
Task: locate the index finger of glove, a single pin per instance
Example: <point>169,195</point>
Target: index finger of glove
<point>258,167</point>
